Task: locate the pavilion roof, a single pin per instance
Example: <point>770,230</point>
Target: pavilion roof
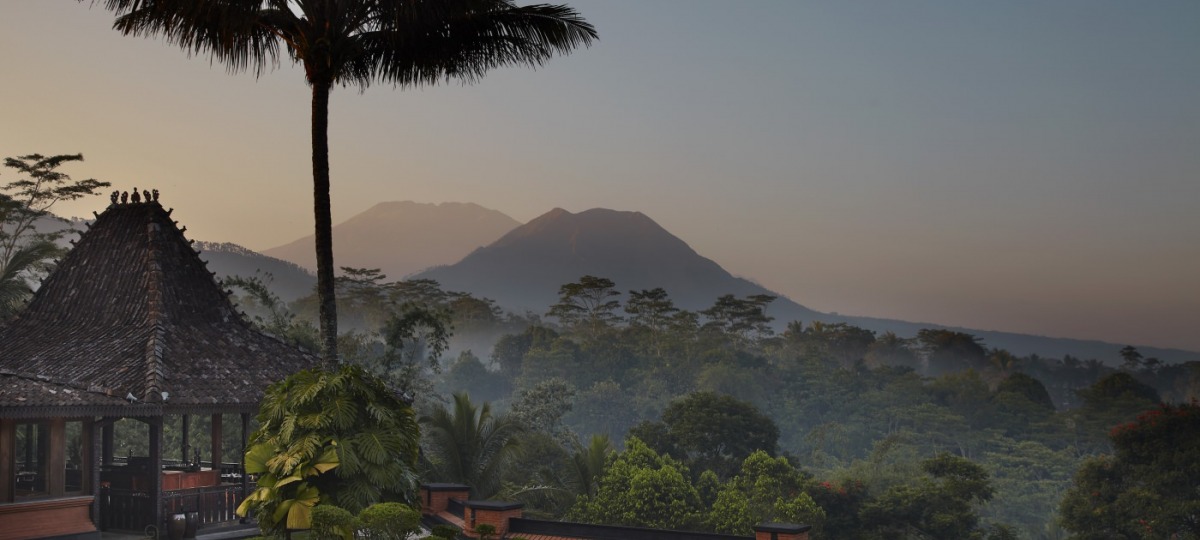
<point>132,313</point>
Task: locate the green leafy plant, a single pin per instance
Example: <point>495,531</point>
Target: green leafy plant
<point>485,531</point>
<point>329,437</point>
<point>333,523</point>
<point>444,531</point>
<point>390,521</point>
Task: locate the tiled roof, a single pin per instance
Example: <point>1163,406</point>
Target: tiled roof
<point>132,310</point>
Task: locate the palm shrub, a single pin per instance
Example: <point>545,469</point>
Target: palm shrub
<point>338,437</point>
<point>390,521</point>
<point>469,445</point>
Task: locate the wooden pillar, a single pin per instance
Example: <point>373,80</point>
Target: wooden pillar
<point>88,458</point>
<point>95,449</point>
<point>155,473</point>
<point>242,458</point>
<point>8,441</point>
<point>185,429</point>
<point>106,450</point>
<point>216,442</point>
<point>29,444</point>
<point>56,470</point>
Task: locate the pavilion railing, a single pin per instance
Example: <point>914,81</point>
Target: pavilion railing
<point>213,504</point>
<point>124,509</point>
<point>130,510</point>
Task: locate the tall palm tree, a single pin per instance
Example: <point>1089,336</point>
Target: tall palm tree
<point>357,42</point>
<point>469,445</point>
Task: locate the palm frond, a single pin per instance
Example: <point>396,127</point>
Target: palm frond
<point>14,273</point>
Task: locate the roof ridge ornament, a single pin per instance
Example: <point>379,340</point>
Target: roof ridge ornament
<point>134,196</point>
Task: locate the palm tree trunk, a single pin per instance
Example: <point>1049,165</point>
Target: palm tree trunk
<point>324,223</point>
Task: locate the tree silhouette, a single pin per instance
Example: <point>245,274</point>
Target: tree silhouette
<point>356,42</point>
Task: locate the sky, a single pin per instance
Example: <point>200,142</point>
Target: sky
<point>1021,166</point>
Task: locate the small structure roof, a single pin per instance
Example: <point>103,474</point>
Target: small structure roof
<point>132,317</point>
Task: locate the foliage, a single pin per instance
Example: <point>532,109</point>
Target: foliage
<point>27,260</point>
<point>1147,489</point>
<point>469,445</point>
<point>642,489</point>
<point>331,522</point>
<point>543,407</point>
<point>448,532</point>
<point>766,490</point>
<point>287,486</point>
<point>269,313</point>
<point>339,437</point>
<point>390,521</point>
<point>485,531</point>
<point>947,351</point>
<point>941,506</point>
<point>25,253</point>
<point>587,306</point>
<point>714,432</point>
<point>743,318</point>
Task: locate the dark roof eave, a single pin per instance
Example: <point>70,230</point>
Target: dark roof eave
<point>36,412</point>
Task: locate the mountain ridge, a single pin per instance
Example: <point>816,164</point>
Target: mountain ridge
<point>394,237</point>
<point>524,269</point>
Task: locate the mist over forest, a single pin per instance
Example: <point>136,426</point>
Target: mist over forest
<point>868,426</point>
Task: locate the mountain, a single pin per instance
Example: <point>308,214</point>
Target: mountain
<point>404,237</point>
<point>524,269</point>
<point>288,280</point>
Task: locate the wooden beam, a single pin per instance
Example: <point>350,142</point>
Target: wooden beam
<point>8,441</point>
<point>216,442</point>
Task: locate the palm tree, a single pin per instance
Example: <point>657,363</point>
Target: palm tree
<point>357,42</point>
<point>15,271</point>
<point>469,445</point>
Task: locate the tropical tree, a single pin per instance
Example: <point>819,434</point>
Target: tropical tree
<point>24,251</point>
<point>711,432</point>
<point>469,444</point>
<point>406,43</point>
<point>1147,488</point>
<point>767,489</point>
<point>588,304</point>
<point>642,489</point>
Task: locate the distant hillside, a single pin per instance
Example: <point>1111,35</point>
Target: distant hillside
<point>404,237</point>
<point>290,281</point>
<point>524,269</point>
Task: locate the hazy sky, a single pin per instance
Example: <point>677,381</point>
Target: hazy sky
<point>1022,166</point>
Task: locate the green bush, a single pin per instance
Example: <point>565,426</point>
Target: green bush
<point>332,523</point>
<point>390,521</point>
<point>448,532</point>
<point>485,531</point>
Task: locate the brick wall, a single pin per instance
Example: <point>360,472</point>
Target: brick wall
<point>435,497</point>
<point>491,513</point>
